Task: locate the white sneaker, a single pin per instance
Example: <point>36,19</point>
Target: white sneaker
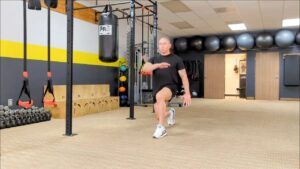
<point>160,131</point>
<point>171,118</point>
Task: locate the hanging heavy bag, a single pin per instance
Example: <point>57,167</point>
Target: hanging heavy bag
<point>51,3</point>
<point>34,5</point>
<point>108,36</point>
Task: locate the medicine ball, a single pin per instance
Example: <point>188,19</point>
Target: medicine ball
<point>123,97</point>
<point>123,78</point>
<point>245,41</point>
<point>122,89</point>
<point>181,44</point>
<point>229,43</point>
<point>123,68</point>
<point>298,38</point>
<point>212,43</point>
<point>264,40</point>
<point>284,38</point>
<point>196,43</point>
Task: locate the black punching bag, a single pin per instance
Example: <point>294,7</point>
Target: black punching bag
<point>51,3</point>
<point>108,36</point>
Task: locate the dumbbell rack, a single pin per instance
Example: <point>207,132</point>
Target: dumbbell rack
<point>18,117</point>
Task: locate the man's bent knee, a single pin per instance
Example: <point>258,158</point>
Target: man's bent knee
<point>159,97</point>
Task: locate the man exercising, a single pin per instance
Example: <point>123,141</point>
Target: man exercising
<point>166,69</point>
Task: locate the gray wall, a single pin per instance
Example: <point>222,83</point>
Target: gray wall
<point>287,91</point>
<point>250,81</point>
<point>284,91</point>
<point>1,80</point>
<point>11,77</point>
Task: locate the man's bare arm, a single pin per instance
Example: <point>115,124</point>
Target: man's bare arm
<point>149,67</point>
<point>185,81</point>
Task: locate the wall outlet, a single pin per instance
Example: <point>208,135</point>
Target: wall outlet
<point>10,102</point>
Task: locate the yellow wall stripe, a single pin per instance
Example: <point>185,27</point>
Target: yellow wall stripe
<point>10,49</point>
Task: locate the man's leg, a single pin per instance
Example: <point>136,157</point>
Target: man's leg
<point>160,107</point>
<point>167,113</point>
<point>156,114</point>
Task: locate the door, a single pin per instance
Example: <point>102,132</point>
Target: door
<point>267,76</point>
<point>214,76</point>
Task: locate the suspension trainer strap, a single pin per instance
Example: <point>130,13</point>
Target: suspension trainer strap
<point>49,88</point>
<point>25,86</point>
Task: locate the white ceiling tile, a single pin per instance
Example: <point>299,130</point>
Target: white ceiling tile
<point>272,13</point>
<point>188,16</point>
<point>166,26</point>
<point>256,14</point>
<point>192,18</point>
<point>164,13</point>
<point>250,14</point>
<point>199,6</point>
<point>194,4</point>
<point>220,4</point>
<point>231,17</point>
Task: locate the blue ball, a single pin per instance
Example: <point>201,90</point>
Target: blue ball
<point>245,41</point>
<point>123,68</point>
<point>284,38</point>
<point>123,97</point>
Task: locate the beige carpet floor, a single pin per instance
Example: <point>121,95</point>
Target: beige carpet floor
<point>211,134</point>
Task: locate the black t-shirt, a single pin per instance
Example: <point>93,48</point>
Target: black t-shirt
<point>167,76</point>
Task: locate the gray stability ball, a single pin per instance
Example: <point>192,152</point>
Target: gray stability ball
<point>196,43</point>
<point>245,41</point>
<point>264,40</point>
<point>181,44</point>
<point>212,43</point>
<point>229,43</point>
<point>284,38</point>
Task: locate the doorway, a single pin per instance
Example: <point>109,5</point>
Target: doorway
<point>235,75</point>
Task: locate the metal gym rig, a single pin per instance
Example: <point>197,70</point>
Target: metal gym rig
<point>132,18</point>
